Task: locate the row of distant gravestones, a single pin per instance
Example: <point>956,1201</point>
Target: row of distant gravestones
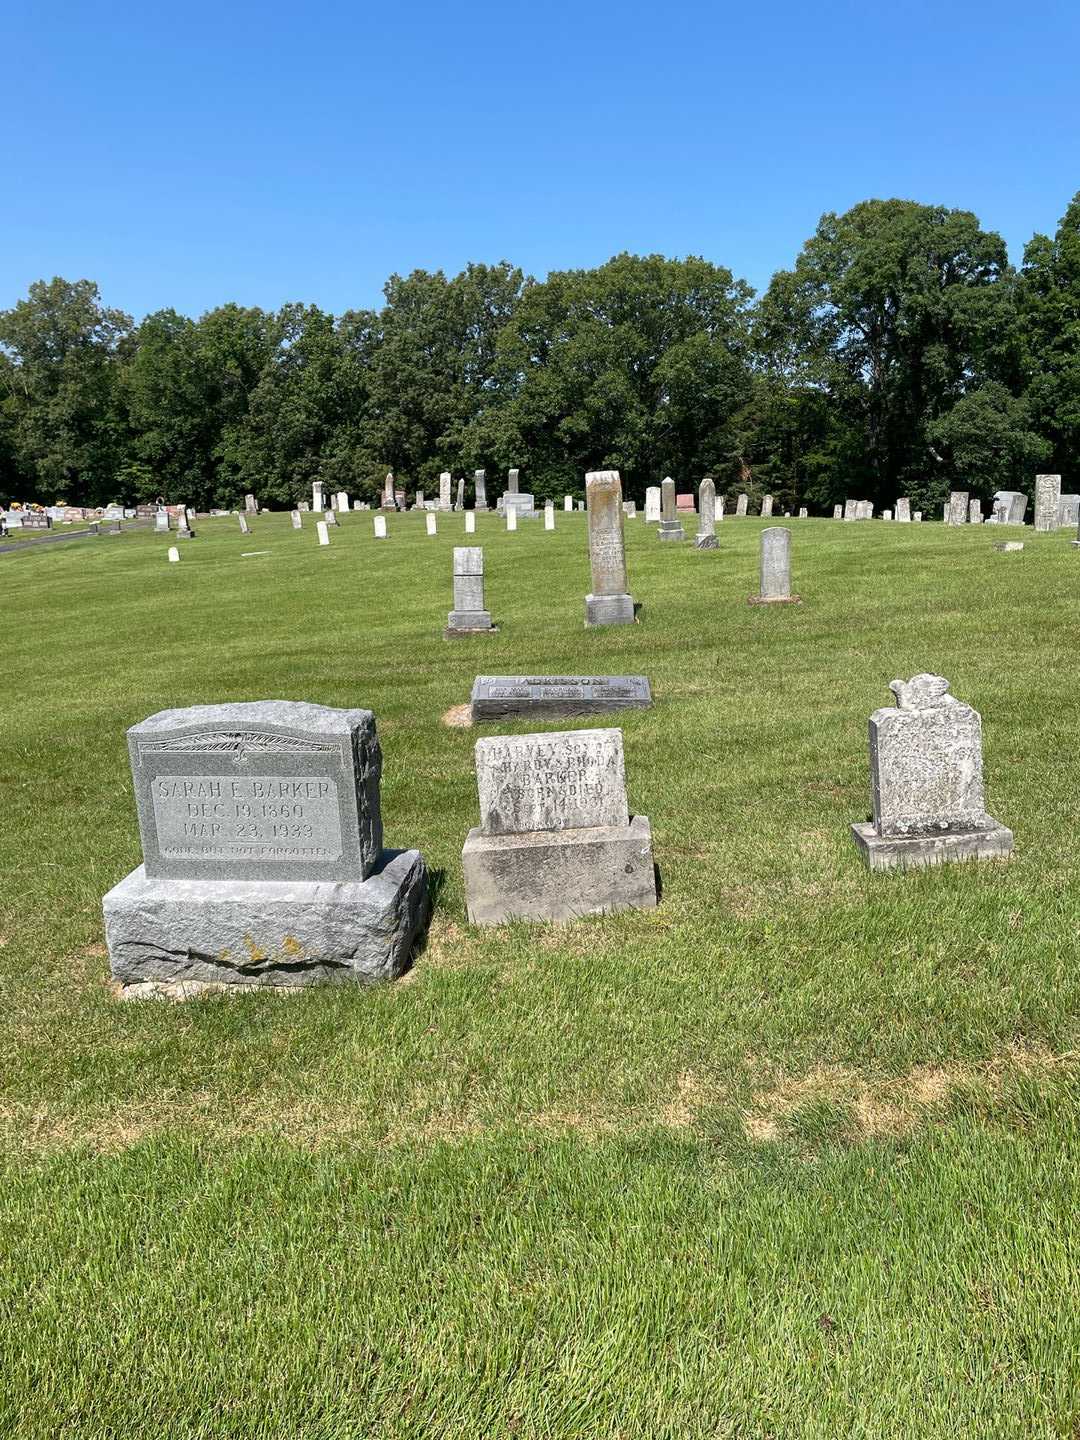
<point>263,856</point>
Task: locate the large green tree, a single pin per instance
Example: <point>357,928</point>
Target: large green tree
<point>639,365</point>
<point>1049,304</point>
<point>897,312</point>
<point>62,419</point>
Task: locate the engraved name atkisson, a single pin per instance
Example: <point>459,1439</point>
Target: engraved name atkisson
<point>257,817</point>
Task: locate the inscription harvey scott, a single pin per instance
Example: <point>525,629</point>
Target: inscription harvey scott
<point>562,781</point>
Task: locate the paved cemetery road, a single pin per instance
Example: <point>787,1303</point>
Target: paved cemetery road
<point>51,536</point>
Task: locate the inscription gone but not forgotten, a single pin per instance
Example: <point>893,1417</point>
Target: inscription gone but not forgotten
<point>565,780</point>
<point>273,790</point>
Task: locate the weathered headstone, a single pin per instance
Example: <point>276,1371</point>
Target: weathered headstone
<point>866,510</point>
<point>917,516</point>
<point>245,528</point>
<point>329,517</point>
<point>568,502</point>
<point>444,490</point>
<point>303,506</point>
<point>432,527</point>
<point>652,505</point>
<point>263,861</point>
<point>1014,503</point>
<point>903,510</point>
<point>766,506</point>
<point>174,553</point>
<point>741,504</point>
<point>297,520</point>
<point>317,497</point>
<point>549,515</point>
<point>250,504</point>
<point>838,512</point>
<point>322,529</point>
<point>775,568</point>
<point>512,482</point>
<point>975,516</point>
<point>609,601</point>
<point>851,509</point>
<point>470,522</point>
<point>468,617</point>
<point>581,505</point>
<point>705,539</point>
<point>342,500</point>
<point>511,518</point>
<point>670,528</point>
<point>459,503</point>
<point>957,510</point>
<point>161,522</point>
<point>514,498</point>
<point>388,500</point>
<point>379,522</point>
<point>479,490</point>
<point>629,509</point>
<point>927,783</point>
<point>803,512</point>
<point>886,515</point>
<point>555,840</point>
<point>1068,511</point>
<point>500,697</point>
<point>1047,496</point>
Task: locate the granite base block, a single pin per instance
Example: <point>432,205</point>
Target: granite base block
<point>609,610</point>
<point>267,932</point>
<point>905,852</point>
<point>559,875</point>
<point>671,530</point>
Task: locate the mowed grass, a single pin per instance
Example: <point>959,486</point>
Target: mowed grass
<point>797,1154</point>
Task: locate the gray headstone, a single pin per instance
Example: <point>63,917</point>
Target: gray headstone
<point>975,512</point>
<point>1068,511</point>
<point>555,840</point>
<point>775,566</point>
<point>1047,497</point>
<point>480,490</point>
<point>245,528</point>
<point>459,503</point>
<point>609,601</point>
<point>512,482</point>
<point>270,790</point>
<point>250,504</point>
<point>706,536</point>
<point>161,521</point>
<point>498,697</point>
<point>468,612</point>
<point>766,506</point>
<point>304,507</point>
<point>851,509</point>
<point>903,510</point>
<point>838,512</point>
<point>1010,545</point>
<point>956,512</point>
<point>389,495</point>
<point>741,504</point>
<point>926,779</point>
<point>1013,504</point>
<point>652,505</point>
<point>670,526</point>
<point>297,520</point>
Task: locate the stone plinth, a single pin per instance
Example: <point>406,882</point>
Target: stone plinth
<point>609,602</point>
<point>926,782</point>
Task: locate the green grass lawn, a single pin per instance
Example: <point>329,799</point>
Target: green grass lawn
<point>797,1154</point>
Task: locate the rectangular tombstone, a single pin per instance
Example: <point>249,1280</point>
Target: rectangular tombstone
<point>1047,498</point>
<point>245,528</point>
<point>511,518</point>
<point>706,536</point>
<point>329,517</point>
<point>549,516</point>
<point>684,502</point>
<point>556,840</point>
<point>851,509</point>
<point>917,516</point>
<point>432,526</point>
<point>775,567</point>
<point>161,521</point>
<point>250,504</point>
<point>444,490</point>
<point>323,532</point>
<point>459,503</point>
<point>564,780</point>
<point>609,601</point>
<point>975,512</point>
<point>379,522</point>
<point>766,506</point>
<point>1014,506</point>
<point>741,504</point>
<point>1068,511</point>
<point>670,526</point>
<point>303,506</point>
<point>903,510</point>
<point>512,482</point>
<point>499,697</point>
<point>957,511</point>
<point>317,496</point>
<point>399,499</point>
<point>468,613</point>
<point>886,515</point>
<point>568,502</point>
<point>803,512</point>
<point>297,520</point>
<point>271,790</point>
<point>652,505</point>
<point>838,512</point>
<point>926,780</point>
<point>480,490</point>
<point>470,522</point>
<point>342,500</point>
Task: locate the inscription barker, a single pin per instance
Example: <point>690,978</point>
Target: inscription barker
<point>271,790</point>
<point>565,780</point>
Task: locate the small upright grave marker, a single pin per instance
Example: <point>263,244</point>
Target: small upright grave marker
<point>706,536</point>
<point>775,568</point>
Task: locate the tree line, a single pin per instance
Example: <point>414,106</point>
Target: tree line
<point>901,355</point>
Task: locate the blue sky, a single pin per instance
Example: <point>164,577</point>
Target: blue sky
<point>190,154</point>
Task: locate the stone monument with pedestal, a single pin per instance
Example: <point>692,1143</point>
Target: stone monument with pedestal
<point>514,498</point>
<point>263,861</point>
<point>555,840</point>
<point>927,782</point>
<point>670,528</point>
<point>480,490</point>
<point>705,539</point>
<point>609,601</point>
<point>468,617</point>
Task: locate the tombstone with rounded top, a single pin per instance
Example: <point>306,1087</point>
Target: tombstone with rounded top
<point>609,601</point>
<point>927,782</point>
<point>705,539</point>
<point>775,568</point>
